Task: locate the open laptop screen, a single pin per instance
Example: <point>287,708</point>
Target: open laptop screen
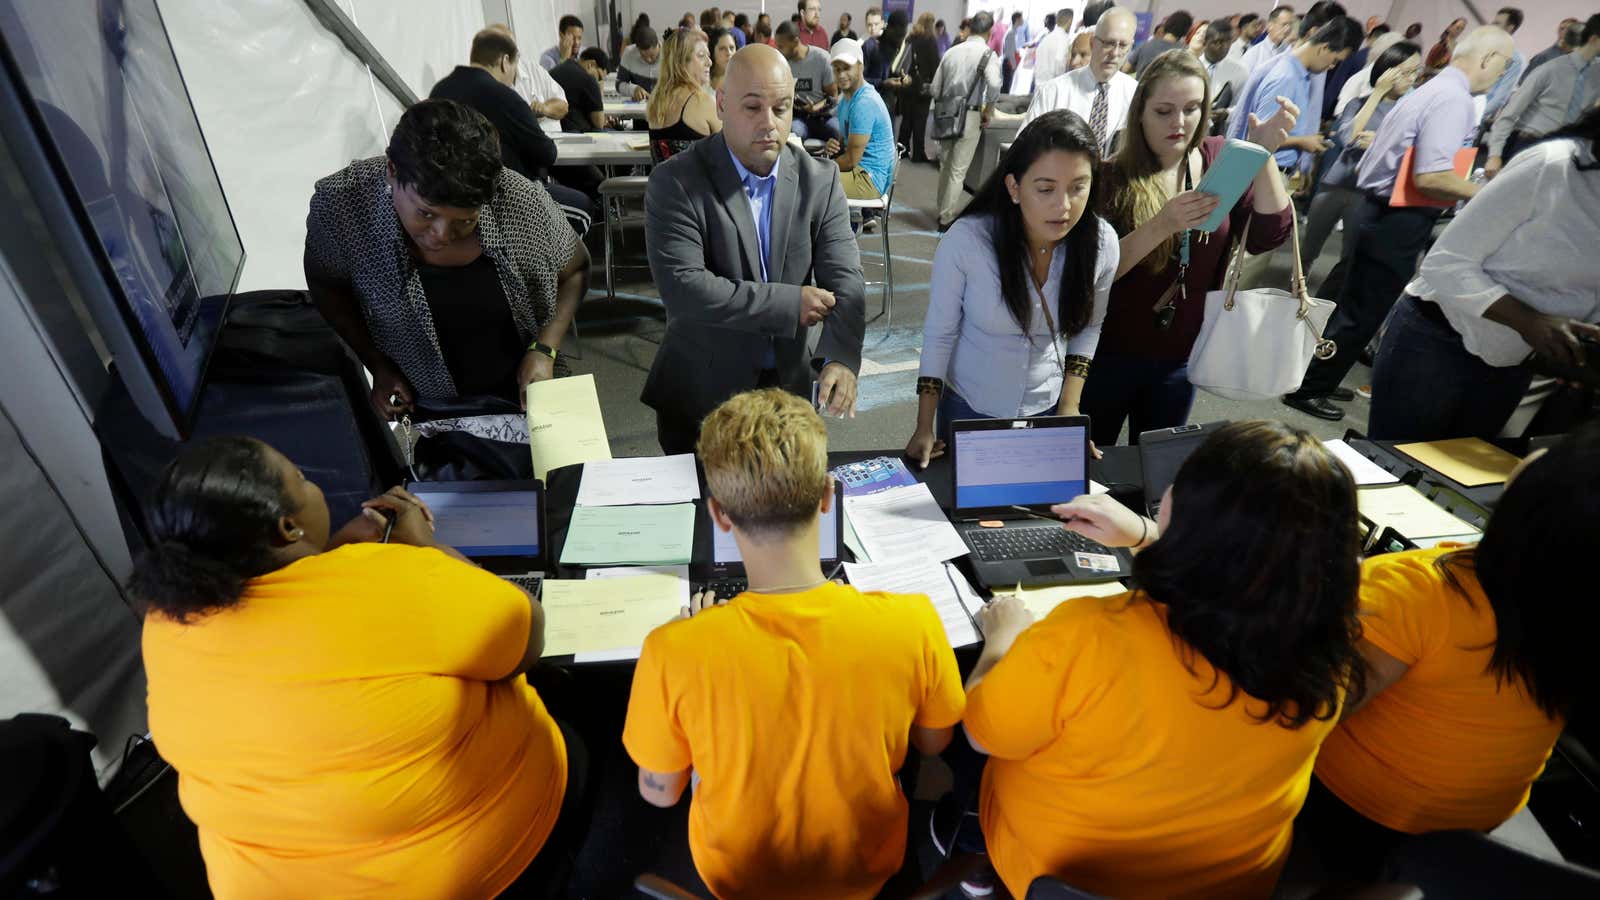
<point>1026,465</point>
<point>485,523</point>
<point>725,550</point>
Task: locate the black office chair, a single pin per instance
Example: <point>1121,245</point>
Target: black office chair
<point>1047,888</point>
<point>1470,865</point>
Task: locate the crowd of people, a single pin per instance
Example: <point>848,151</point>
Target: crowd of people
<point>338,729</point>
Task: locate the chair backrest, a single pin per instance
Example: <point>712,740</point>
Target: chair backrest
<point>1046,888</point>
<point>1467,865</point>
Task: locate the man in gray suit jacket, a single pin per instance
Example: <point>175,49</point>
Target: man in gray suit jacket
<point>750,245</point>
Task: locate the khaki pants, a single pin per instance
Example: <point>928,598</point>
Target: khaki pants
<point>954,158</point>
<point>858,185</point>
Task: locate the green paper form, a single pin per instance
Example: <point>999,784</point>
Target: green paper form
<point>655,535</point>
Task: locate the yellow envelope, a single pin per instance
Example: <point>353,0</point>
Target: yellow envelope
<point>1470,461</point>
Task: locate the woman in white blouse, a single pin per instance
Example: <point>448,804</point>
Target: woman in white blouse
<point>1508,288</point>
<point>1019,292</point>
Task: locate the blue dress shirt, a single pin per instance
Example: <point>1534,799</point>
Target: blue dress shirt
<point>758,192</point>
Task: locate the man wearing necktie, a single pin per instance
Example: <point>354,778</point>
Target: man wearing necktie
<point>1099,92</point>
<point>750,245</point>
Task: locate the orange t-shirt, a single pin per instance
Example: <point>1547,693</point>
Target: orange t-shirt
<point>348,730</point>
<point>1112,767</point>
<point>795,712</point>
<point>1444,746</point>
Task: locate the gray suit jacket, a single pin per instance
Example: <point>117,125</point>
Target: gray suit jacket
<point>705,258</point>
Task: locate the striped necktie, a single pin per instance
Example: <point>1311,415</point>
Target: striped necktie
<point>1097,116</point>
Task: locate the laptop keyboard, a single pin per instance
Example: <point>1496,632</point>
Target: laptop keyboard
<point>725,588</point>
<point>530,583</point>
<point>1029,542</point>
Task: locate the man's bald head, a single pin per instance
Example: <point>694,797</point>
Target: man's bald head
<point>1482,55</point>
<point>1113,38</point>
<point>756,102</point>
<point>755,61</point>
<point>1115,19</point>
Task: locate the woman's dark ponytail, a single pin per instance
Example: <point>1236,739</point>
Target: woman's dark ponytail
<point>214,515</point>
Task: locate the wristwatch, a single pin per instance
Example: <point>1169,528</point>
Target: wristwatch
<point>542,349</point>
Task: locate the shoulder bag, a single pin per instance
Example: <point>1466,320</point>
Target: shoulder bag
<point>950,109</point>
<point>1257,344</point>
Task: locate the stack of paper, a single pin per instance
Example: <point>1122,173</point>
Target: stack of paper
<point>564,423</point>
<point>901,523</point>
<point>1041,601</point>
<point>605,616</point>
<point>680,573</point>
<point>1365,470</point>
<point>630,535</point>
<point>639,480</point>
<point>1410,513</point>
<point>952,597</point>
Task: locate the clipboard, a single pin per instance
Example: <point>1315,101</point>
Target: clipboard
<point>1406,192</point>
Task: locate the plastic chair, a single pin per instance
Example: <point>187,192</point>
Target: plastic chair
<point>886,205</point>
<point>614,194</point>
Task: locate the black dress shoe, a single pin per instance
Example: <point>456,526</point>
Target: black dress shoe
<point>1321,407</point>
<point>1343,395</point>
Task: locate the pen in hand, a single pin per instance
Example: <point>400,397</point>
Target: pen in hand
<point>388,523</point>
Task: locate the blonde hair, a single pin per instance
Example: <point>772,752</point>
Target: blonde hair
<point>924,26</point>
<point>677,58</point>
<point>1142,194</point>
<point>765,454</point>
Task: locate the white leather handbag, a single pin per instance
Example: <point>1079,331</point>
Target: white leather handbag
<point>1257,344</point>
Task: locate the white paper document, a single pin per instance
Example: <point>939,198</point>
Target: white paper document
<point>624,653</point>
<point>1410,512</point>
<point>1365,470</point>
<point>639,480</point>
<point>903,522</point>
<point>946,588</point>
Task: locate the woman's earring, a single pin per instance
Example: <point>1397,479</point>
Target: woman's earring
<point>296,534</point>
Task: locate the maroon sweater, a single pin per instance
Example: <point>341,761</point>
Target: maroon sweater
<point>1130,326</point>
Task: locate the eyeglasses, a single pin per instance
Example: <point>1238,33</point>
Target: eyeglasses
<point>1119,46</point>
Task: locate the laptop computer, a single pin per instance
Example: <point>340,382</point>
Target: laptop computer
<point>497,524</point>
<point>1003,464</point>
<point>726,575</point>
<point>1161,455</point>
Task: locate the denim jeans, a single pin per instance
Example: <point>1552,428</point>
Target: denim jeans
<point>1147,393</point>
<point>1427,386</point>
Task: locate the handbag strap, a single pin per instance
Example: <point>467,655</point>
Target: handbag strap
<point>1297,279</point>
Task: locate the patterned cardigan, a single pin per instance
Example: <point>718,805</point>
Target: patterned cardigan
<point>354,238</point>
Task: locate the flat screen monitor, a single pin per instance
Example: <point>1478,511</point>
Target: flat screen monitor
<point>96,106</point>
<point>1001,463</point>
<point>484,523</point>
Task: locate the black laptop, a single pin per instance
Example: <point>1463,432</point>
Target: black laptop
<point>727,576</point>
<point>1162,453</point>
<point>1002,464</point>
<point>497,524</point>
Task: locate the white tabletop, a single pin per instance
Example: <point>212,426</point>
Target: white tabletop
<point>603,148</point>
<point>617,106</point>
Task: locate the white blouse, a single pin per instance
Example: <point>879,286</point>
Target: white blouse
<point>970,339</point>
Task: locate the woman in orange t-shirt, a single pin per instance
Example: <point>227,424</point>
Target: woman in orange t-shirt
<point>1160,743</point>
<point>347,717</point>
<point>1476,657</point>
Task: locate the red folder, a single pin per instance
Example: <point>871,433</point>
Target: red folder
<point>1406,192</point>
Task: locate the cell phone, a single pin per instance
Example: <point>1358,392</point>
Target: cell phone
<point>1229,177</point>
<point>816,396</point>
